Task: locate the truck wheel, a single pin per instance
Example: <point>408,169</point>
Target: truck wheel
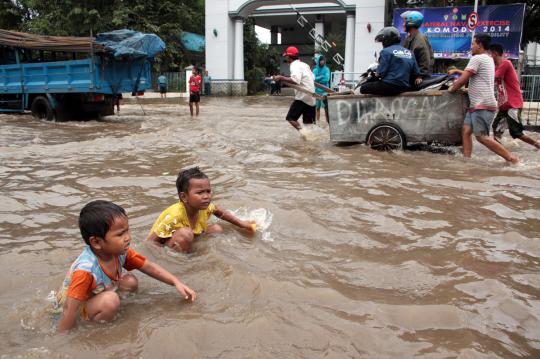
<point>42,109</point>
<point>386,137</point>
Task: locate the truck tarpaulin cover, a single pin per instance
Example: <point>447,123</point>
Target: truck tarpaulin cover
<point>192,42</point>
<point>446,28</point>
<point>129,43</point>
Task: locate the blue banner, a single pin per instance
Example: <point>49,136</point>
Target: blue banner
<point>446,28</point>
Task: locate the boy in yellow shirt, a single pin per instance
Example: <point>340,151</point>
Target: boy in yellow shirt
<point>178,225</point>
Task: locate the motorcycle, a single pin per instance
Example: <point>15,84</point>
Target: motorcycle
<point>435,82</point>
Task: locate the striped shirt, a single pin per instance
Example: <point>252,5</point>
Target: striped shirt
<point>482,83</point>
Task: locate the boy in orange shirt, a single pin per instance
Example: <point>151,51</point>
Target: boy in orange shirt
<point>96,275</point>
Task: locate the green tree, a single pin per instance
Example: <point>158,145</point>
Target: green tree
<point>167,19</point>
<point>11,15</point>
<point>337,41</point>
<point>531,30</point>
<point>259,59</point>
<point>66,17</point>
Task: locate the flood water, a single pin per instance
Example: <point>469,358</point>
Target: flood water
<point>359,254</point>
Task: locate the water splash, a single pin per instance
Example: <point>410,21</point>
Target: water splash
<point>262,218</point>
<point>313,133</point>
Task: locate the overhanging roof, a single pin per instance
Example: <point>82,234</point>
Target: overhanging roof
<point>290,19</point>
<point>249,7</point>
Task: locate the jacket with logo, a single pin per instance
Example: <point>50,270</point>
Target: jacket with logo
<point>397,66</point>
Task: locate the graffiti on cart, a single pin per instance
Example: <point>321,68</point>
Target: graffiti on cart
<point>421,108</point>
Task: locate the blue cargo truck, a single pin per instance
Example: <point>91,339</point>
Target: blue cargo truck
<point>63,78</point>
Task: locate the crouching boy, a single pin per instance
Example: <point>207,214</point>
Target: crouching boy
<point>179,225</point>
<point>92,284</point>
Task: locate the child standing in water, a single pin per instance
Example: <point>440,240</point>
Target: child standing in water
<point>194,90</point>
<point>178,225</point>
<point>90,288</point>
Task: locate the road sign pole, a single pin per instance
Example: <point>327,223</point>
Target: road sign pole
<point>476,12</point>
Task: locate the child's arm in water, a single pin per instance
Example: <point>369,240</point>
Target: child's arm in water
<point>249,226</point>
<point>156,271</point>
<point>152,237</point>
<point>69,314</point>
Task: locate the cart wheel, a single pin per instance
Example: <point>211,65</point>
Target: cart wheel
<point>386,137</point>
<point>41,108</point>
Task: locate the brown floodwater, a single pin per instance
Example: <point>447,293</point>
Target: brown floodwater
<point>359,254</point>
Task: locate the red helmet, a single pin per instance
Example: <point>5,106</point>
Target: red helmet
<point>291,51</point>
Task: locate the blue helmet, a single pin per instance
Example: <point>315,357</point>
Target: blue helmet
<point>412,19</point>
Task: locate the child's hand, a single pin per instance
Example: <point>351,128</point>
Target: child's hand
<point>185,291</point>
<point>249,226</point>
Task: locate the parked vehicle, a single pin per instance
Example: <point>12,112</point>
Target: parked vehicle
<point>427,114</point>
<point>66,78</point>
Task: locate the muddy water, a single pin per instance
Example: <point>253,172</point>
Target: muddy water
<point>359,254</point>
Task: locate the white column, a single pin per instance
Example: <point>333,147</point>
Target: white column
<point>238,49</point>
<point>219,29</point>
<point>319,30</point>
<point>349,46</point>
<point>369,20</point>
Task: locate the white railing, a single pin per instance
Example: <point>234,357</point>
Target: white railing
<point>530,86</point>
<point>350,78</point>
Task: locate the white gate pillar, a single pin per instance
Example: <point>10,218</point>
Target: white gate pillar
<point>319,33</point>
<point>238,73</point>
<point>349,46</point>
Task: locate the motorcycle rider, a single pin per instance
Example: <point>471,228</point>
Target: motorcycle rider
<point>417,42</point>
<point>396,66</point>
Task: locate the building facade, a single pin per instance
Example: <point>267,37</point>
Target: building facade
<point>302,23</point>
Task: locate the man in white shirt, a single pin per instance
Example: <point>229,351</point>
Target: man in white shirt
<point>301,74</point>
<point>480,74</point>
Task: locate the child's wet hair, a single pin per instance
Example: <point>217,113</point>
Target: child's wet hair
<point>182,181</point>
<point>97,217</point>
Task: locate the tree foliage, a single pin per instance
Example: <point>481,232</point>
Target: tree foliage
<point>531,32</point>
<point>11,15</point>
<point>165,18</point>
<point>259,59</point>
<point>337,40</point>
